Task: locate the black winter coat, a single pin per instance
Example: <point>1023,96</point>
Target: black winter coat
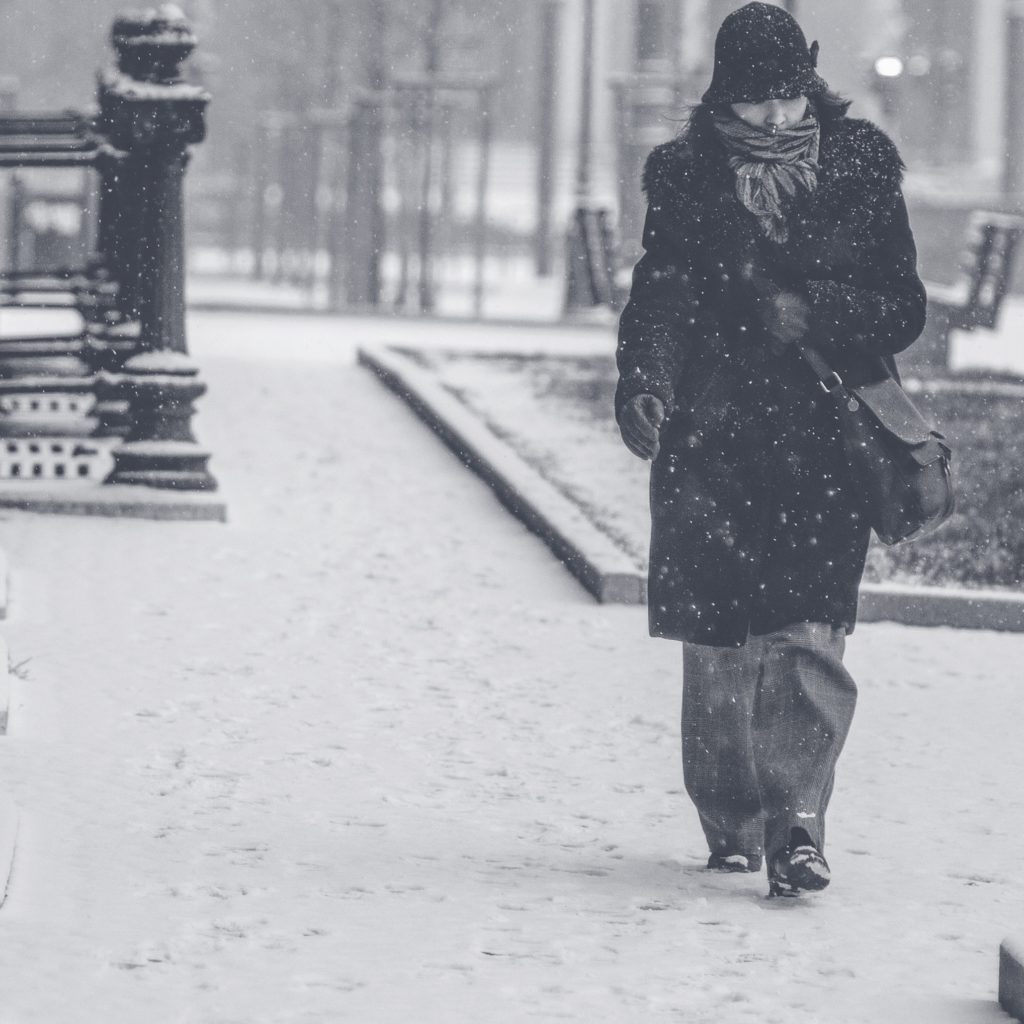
<point>755,522</point>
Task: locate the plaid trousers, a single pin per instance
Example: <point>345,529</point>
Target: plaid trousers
<point>763,725</point>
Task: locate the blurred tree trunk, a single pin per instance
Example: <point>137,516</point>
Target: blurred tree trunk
<point>365,228</point>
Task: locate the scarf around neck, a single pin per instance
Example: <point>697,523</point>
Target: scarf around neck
<point>770,167</point>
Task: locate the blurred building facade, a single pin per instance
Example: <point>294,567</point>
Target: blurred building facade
<point>940,75</point>
<point>943,76</point>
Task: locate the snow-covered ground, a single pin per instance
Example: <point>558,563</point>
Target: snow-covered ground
<point>367,754</point>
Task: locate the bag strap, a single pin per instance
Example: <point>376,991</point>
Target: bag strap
<point>830,381</point>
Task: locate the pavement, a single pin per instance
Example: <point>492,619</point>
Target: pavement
<point>366,752</point>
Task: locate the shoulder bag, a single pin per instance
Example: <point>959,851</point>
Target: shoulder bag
<point>900,463</point>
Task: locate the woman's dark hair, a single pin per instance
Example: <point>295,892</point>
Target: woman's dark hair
<point>829,105</point>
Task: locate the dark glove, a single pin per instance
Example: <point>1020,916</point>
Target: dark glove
<point>787,317</point>
<point>640,423</point>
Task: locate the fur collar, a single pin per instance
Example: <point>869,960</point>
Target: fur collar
<point>860,173</point>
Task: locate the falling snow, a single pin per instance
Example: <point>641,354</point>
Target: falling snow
<point>378,758</point>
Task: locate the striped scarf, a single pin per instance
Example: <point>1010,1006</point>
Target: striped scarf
<point>770,167</point>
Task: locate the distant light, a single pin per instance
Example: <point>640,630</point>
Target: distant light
<point>919,65</point>
<point>889,67</point>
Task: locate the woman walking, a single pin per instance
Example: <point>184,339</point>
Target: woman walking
<point>773,219</point>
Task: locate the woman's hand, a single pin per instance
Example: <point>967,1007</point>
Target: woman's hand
<point>787,317</point>
<point>640,425</point>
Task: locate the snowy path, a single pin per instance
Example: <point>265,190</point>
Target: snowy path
<point>365,754</point>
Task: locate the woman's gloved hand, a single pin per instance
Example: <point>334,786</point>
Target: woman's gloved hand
<point>640,423</point>
<point>787,317</point>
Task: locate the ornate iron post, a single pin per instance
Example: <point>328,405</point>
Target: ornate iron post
<point>151,117</point>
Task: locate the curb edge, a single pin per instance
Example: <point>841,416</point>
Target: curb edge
<point>9,821</point>
<point>115,503</point>
<point>5,687</point>
<point>605,571</point>
<point>5,580</point>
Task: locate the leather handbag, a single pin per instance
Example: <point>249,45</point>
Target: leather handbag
<point>900,463</point>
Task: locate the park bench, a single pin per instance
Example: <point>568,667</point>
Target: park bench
<point>91,292</point>
<point>43,142</point>
<point>975,300</point>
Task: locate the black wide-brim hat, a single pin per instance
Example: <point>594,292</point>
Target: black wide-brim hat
<point>761,53</point>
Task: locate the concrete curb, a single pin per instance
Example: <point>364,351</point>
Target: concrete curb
<point>5,687</point>
<point>8,841</point>
<point>115,500</point>
<point>941,606</point>
<point>594,559</point>
<point>1011,978</point>
<point>5,580</point>
<point>586,552</point>
<point>8,809</point>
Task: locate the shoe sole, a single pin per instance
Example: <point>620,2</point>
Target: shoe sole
<point>806,871</point>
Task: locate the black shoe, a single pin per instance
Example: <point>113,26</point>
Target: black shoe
<point>735,862</point>
<point>799,867</point>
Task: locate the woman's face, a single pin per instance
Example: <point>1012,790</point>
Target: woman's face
<point>772,113</point>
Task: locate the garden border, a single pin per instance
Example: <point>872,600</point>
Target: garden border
<point>590,555</point>
<point>586,552</point>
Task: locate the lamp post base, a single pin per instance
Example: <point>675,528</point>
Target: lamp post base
<point>171,465</point>
<point>160,450</point>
